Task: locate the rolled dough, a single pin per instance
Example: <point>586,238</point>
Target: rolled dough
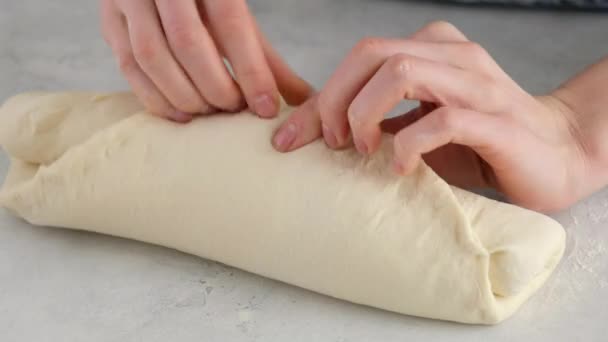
<point>329,221</point>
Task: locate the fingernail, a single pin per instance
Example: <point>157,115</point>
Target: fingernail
<point>265,106</point>
<point>285,137</point>
<point>180,117</point>
<point>329,136</point>
<point>361,146</point>
<point>397,167</point>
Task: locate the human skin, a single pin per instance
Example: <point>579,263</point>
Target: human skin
<point>475,126</point>
<point>172,54</point>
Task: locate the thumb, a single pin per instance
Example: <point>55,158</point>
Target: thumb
<point>483,133</point>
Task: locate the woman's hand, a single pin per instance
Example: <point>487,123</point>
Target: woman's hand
<point>171,52</point>
<point>475,126</point>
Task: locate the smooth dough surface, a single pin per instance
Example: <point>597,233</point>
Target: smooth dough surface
<point>329,221</point>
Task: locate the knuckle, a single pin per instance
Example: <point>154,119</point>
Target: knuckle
<point>145,51</point>
<point>368,45</point>
<point>126,62</point>
<point>181,36</point>
<point>400,65</point>
<point>440,26</point>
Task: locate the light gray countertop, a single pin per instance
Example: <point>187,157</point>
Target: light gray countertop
<point>60,285</point>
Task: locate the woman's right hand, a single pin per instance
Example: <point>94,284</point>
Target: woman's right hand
<point>172,54</point>
<point>475,126</point>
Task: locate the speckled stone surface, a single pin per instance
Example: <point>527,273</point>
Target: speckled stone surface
<point>59,285</point>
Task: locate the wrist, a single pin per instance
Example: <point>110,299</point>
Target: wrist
<point>587,128</point>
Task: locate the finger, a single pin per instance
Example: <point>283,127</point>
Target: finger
<point>234,30</point>
<point>460,166</point>
<point>153,56</point>
<point>292,87</point>
<point>435,31</point>
<point>195,50</point>
<point>439,31</point>
<point>413,78</point>
<point>481,132</point>
<point>117,36</point>
<point>366,59</point>
<point>302,127</point>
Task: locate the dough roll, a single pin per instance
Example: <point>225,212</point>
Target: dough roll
<point>330,221</point>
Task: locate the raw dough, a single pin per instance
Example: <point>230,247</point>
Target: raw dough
<point>332,222</point>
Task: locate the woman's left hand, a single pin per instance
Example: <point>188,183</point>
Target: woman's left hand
<point>475,126</point>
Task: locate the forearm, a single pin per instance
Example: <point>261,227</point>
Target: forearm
<point>585,97</point>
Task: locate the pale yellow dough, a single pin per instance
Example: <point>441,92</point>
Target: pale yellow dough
<point>332,222</point>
